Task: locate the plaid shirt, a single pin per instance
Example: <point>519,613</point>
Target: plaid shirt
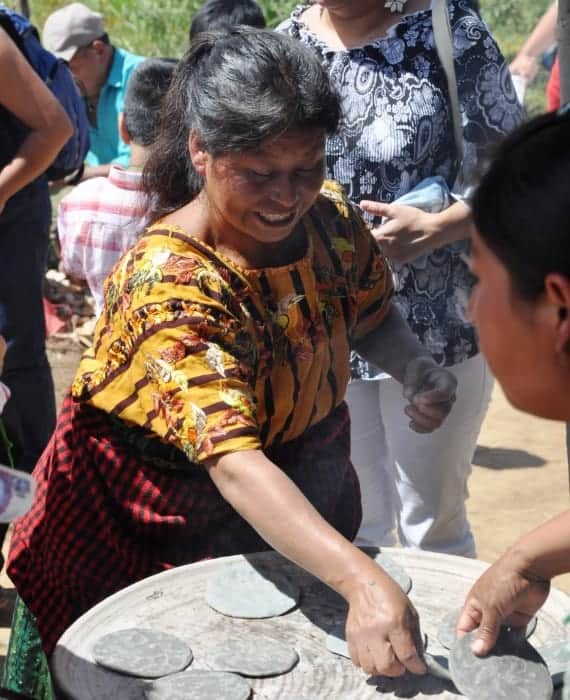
<point>97,222</point>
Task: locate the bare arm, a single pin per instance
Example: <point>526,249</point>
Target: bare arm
<point>517,584</point>
<point>382,627</point>
<point>429,388</point>
<point>25,96</point>
<point>392,345</point>
<point>545,551</point>
<point>542,37</point>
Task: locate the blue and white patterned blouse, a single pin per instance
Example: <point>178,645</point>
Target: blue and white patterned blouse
<point>397,129</point>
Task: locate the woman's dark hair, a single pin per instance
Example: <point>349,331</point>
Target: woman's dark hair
<point>236,88</point>
<point>223,14</point>
<point>522,205</point>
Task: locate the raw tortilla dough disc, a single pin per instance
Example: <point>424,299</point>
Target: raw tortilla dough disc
<point>437,666</point>
<point>446,630</point>
<point>557,657</point>
<point>255,657</point>
<point>145,653</point>
<point>513,671</point>
<point>395,571</point>
<point>199,685</point>
<point>239,590</point>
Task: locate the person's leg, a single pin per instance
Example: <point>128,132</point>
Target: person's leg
<point>432,470</point>
<point>371,460</point>
<point>23,250</point>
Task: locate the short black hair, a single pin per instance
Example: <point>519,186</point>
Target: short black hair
<point>520,208</point>
<point>146,89</point>
<point>224,14</point>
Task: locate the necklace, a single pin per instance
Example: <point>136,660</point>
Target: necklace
<point>395,5</point>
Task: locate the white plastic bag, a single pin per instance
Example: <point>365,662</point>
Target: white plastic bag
<point>4,396</point>
<point>16,493</point>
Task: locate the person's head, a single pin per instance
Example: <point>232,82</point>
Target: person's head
<point>247,116</point>
<point>224,14</point>
<point>77,35</point>
<point>139,122</point>
<point>521,258</point>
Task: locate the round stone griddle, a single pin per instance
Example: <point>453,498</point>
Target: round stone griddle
<point>175,602</point>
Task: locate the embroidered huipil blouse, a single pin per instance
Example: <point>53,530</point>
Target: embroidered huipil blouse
<point>212,358</point>
<point>397,129</point>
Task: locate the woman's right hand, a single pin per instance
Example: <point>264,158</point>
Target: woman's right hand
<point>382,629</point>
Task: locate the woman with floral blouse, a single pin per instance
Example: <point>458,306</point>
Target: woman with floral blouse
<point>208,418</point>
<point>396,130</point>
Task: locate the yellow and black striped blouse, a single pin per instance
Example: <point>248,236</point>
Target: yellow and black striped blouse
<point>212,358</point>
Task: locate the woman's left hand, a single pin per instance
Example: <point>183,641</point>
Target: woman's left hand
<point>505,593</point>
<point>408,233</point>
<point>430,390</point>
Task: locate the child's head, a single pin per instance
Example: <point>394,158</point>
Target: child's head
<point>521,259</point>
<point>235,90</point>
<point>224,14</point>
<point>146,90</point>
<point>521,208</point>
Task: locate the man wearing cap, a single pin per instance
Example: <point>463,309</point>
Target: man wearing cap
<point>77,35</point>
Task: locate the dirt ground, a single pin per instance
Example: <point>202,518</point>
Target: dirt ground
<point>519,479</point>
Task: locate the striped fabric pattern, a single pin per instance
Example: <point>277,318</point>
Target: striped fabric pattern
<point>212,358</point>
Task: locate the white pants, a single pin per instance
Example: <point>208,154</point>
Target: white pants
<point>417,481</point>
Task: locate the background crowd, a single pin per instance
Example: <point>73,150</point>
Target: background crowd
<point>233,293</point>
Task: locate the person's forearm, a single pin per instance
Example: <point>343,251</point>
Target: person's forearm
<point>544,552</point>
<point>33,158</point>
<point>391,345</point>
<point>543,35</point>
<point>450,225</point>
<point>273,505</point>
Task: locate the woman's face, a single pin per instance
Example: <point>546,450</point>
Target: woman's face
<point>262,194</point>
<point>518,337</point>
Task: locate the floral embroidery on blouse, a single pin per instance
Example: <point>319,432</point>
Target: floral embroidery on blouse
<point>211,358</point>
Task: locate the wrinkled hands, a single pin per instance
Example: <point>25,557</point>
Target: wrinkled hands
<point>430,389</point>
<point>408,233</point>
<point>503,594</point>
<point>382,629</point>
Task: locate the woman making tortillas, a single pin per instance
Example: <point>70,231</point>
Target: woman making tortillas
<point>208,418</point>
<point>521,258</point>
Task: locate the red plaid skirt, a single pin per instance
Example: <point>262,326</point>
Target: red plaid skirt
<point>105,516</point>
